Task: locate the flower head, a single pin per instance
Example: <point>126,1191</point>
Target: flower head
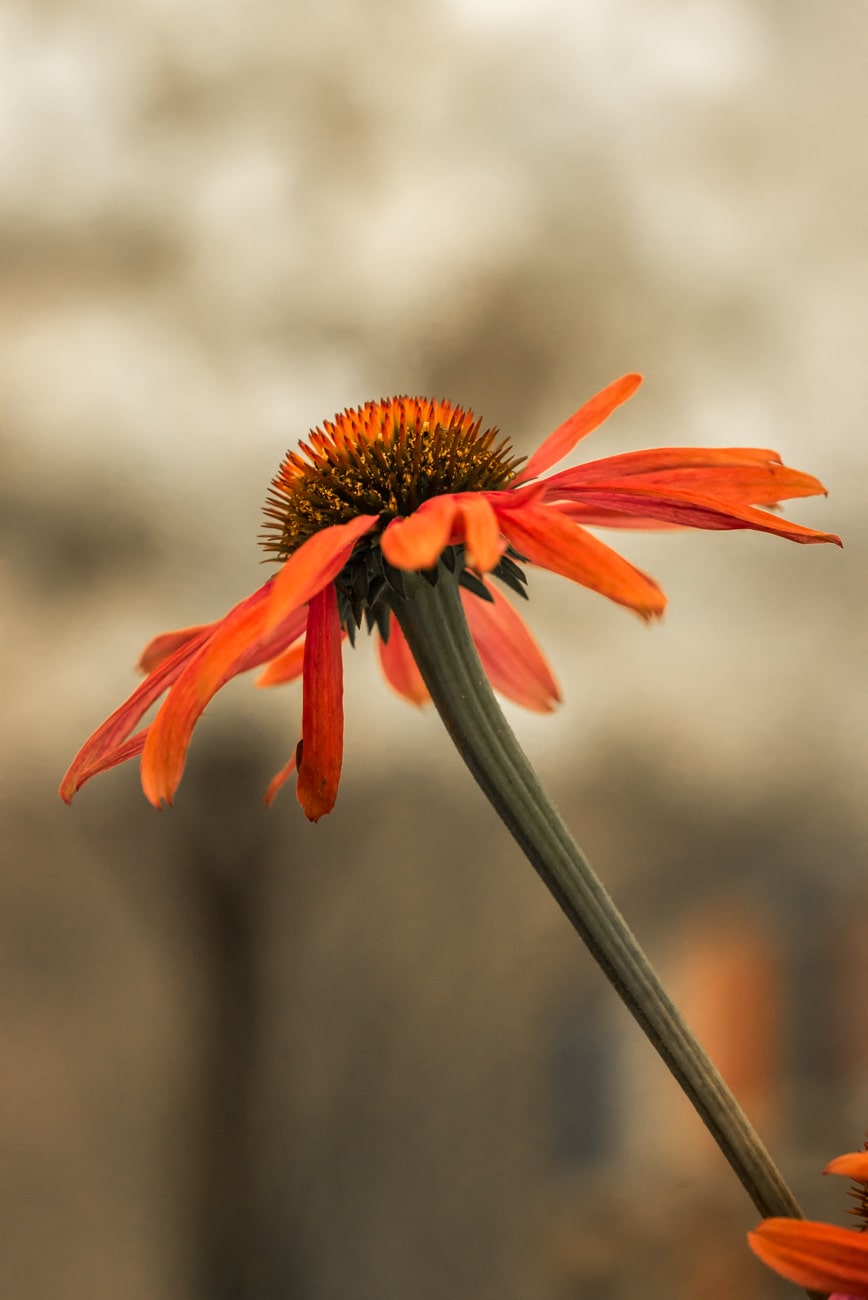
<point>415,485</point>
<point>822,1256</point>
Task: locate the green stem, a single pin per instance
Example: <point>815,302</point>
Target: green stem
<point>434,625</point>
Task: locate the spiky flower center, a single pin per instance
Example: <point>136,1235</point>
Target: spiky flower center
<point>383,458</point>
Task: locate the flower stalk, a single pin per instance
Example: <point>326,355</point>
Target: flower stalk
<point>432,619</point>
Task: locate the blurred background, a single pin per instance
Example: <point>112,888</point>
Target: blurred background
<point>246,1058</point>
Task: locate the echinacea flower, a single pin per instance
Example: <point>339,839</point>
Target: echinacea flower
<point>407,486</point>
<point>822,1256</point>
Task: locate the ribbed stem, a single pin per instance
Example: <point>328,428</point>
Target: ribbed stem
<point>433,622</point>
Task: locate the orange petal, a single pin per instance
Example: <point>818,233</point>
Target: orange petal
<point>110,758</point>
<point>160,647</point>
<point>664,460</point>
<point>513,662</point>
<point>399,667</point>
<point>546,538</point>
<point>240,642</point>
<point>584,421</point>
<point>417,541</point>
<point>315,564</point>
<point>817,1256</point>
<point>98,752</point>
<point>692,510</point>
<point>322,724</point>
<point>749,477</point>
<point>764,486</point>
<point>481,532</point>
<point>278,780</point>
<point>526,494</point>
<point>285,668</point>
<point>261,648</point>
<point>597,517</point>
<point>852,1165</point>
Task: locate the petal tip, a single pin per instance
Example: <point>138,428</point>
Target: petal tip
<point>156,790</point>
<point>652,613</point>
<point>853,1164</point>
<point>315,805</point>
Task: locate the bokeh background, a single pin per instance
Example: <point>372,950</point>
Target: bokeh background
<point>244,1058</point>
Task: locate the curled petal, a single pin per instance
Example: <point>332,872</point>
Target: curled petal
<point>546,538</point>
<point>315,564</point>
<point>817,1256</point>
<point>322,723</point>
<point>417,541</point>
<point>399,667</point>
<point>584,421</point>
<point>513,662</point>
<point>240,642</point>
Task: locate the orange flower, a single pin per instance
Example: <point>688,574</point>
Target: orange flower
<point>405,485</point>
<point>821,1256</point>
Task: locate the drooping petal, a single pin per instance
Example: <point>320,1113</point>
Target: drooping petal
<point>240,642</point>
<point>584,421</point>
<point>691,510</point>
<point>546,538</point>
<point>417,541</point>
<point>315,564</point>
<point>166,643</point>
<point>817,1256</point>
<point>97,753</point>
<point>399,667</point>
<point>481,532</point>
<point>852,1165</point>
<point>322,724</point>
<point>513,662</point>
<point>278,780</point>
